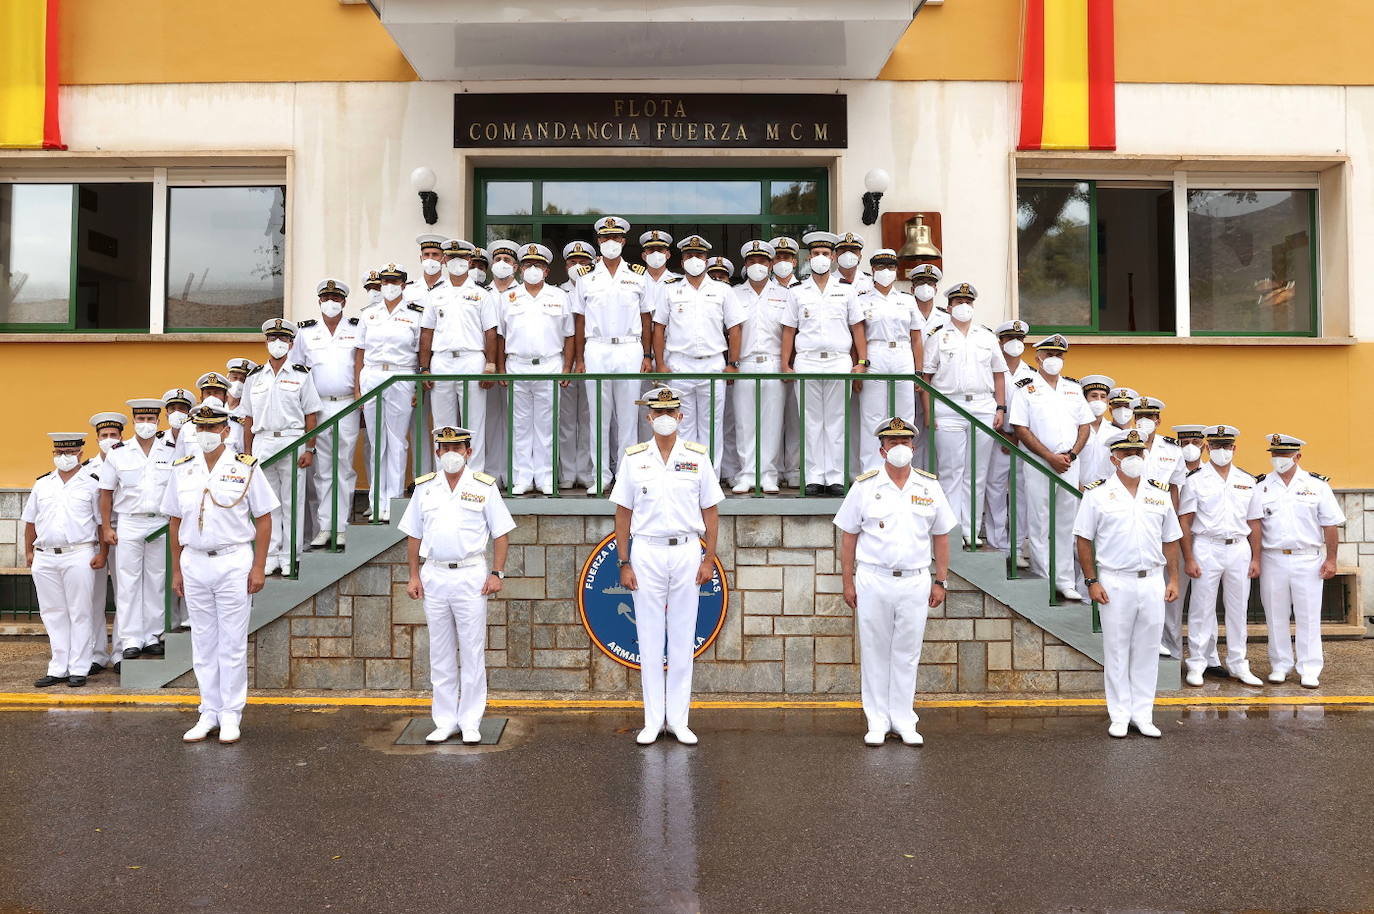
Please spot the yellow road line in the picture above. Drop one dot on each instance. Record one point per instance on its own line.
(20, 700)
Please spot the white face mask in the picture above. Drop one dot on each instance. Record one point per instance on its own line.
(1282, 464)
(330, 308)
(611, 249)
(277, 349)
(923, 292)
(820, 263)
(532, 275)
(208, 441)
(758, 272)
(374, 296)
(502, 270)
(479, 275)
(176, 420)
(1133, 466)
(885, 277)
(1221, 456)
(1097, 407)
(216, 402)
(1122, 415)
(432, 267)
(452, 461)
(694, 266)
(783, 268)
(655, 259)
(64, 462)
(458, 267)
(962, 312)
(236, 387)
(1052, 365)
(107, 444)
(1191, 452)
(1014, 348)
(899, 455)
(1146, 427)
(391, 291)
(849, 260)
(664, 425)
(145, 430)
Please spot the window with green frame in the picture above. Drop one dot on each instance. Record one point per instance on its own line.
(1098, 257)
(727, 207)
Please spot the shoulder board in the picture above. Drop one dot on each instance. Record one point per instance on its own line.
(238, 419)
(118, 444)
(180, 460)
(1093, 485)
(45, 475)
(416, 306)
(484, 479)
(1024, 381)
(846, 282)
(301, 325)
(425, 478)
(255, 371)
(1168, 440)
(584, 269)
(1309, 473)
(303, 369)
(248, 459)
(160, 434)
(935, 330)
(1159, 485)
(693, 446)
(1191, 472)
(672, 279)
(638, 268)
(86, 462)
(925, 473)
(862, 476)
(1067, 378)
(1260, 477)
(637, 448)
(353, 320)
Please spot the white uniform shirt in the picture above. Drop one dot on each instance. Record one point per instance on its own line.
(1219, 506)
(759, 315)
(391, 337)
(611, 305)
(961, 363)
(416, 290)
(822, 317)
(138, 480)
(279, 401)
(454, 523)
(889, 318)
(694, 319)
(667, 275)
(1164, 461)
(1053, 414)
(218, 506)
(460, 315)
(1095, 462)
(1292, 516)
(1128, 531)
(329, 356)
(666, 496)
(939, 317)
(894, 525)
(64, 513)
(535, 326)
(862, 282)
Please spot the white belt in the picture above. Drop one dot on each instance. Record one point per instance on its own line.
(537, 360)
(683, 355)
(339, 399)
(968, 398)
(1220, 540)
(218, 550)
(466, 562)
(392, 366)
(761, 358)
(680, 539)
(887, 344)
(65, 548)
(139, 514)
(893, 572)
(614, 340)
(1306, 550)
(293, 433)
(455, 353)
(823, 355)
(1131, 573)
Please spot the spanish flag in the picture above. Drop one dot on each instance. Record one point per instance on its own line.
(28, 75)
(1068, 75)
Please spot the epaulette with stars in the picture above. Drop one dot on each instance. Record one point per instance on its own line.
(637, 448)
(925, 473)
(484, 479)
(869, 475)
(425, 478)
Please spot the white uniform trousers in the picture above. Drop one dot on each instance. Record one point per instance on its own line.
(498, 447)
(823, 422)
(879, 400)
(394, 423)
(791, 434)
(456, 612)
(322, 470)
(460, 403)
(699, 422)
(64, 584)
(1291, 588)
(574, 437)
(140, 581)
(281, 476)
(1065, 511)
(101, 649)
(767, 423)
(218, 603)
(997, 510)
(892, 623)
(533, 444)
(666, 603)
(1171, 635)
(952, 457)
(1130, 642)
(619, 418)
(1225, 567)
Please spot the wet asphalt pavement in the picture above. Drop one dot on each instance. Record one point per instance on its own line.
(1254, 809)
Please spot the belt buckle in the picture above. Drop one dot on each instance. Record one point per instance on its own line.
(534, 361)
(897, 572)
(760, 359)
(1142, 574)
(672, 540)
(1287, 551)
(892, 344)
(968, 398)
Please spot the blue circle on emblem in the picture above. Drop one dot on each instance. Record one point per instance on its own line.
(608, 610)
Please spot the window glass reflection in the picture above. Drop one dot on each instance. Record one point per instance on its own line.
(35, 253)
(1054, 260)
(226, 251)
(627, 198)
(510, 198)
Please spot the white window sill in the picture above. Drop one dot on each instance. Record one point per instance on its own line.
(62, 336)
(1102, 339)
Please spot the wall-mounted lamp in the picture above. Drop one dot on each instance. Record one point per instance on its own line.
(875, 185)
(423, 180)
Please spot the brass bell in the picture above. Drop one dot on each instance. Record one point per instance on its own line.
(918, 244)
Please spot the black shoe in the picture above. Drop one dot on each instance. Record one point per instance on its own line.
(95, 670)
(115, 666)
(75, 682)
(48, 681)
(1217, 672)
(155, 650)
(131, 653)
(836, 491)
(183, 627)
(813, 489)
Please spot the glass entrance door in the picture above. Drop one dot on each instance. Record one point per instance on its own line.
(727, 207)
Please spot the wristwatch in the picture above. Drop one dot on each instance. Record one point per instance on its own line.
(621, 563)
(1088, 582)
(649, 356)
(1001, 409)
(499, 574)
(944, 584)
(733, 364)
(864, 363)
(1073, 455)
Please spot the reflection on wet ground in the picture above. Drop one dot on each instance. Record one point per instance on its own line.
(1257, 808)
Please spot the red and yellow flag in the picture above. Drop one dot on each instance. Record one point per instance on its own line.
(1068, 75)
(28, 75)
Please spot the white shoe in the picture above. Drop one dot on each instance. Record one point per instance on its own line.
(1165, 652)
(229, 729)
(385, 514)
(684, 735)
(1194, 677)
(647, 736)
(1248, 678)
(519, 490)
(1117, 729)
(875, 737)
(271, 567)
(605, 490)
(1069, 593)
(770, 487)
(1022, 560)
(744, 485)
(321, 539)
(1148, 729)
(1276, 677)
(203, 728)
(340, 538)
(471, 736)
(439, 734)
(547, 488)
(1310, 681)
(911, 737)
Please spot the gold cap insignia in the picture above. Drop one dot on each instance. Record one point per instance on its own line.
(1133, 436)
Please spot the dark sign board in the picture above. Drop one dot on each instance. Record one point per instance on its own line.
(663, 120)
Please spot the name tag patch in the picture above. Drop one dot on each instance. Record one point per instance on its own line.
(923, 500)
